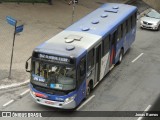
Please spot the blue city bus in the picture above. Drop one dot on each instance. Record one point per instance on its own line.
(67, 67)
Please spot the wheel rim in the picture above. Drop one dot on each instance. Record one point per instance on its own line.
(120, 57)
(88, 91)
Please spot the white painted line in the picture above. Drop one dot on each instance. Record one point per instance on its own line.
(137, 57)
(149, 106)
(96, 84)
(14, 85)
(85, 102)
(8, 103)
(147, 109)
(25, 92)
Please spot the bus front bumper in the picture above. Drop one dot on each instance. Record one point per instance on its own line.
(56, 104)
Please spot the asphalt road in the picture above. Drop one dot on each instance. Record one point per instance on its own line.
(131, 86)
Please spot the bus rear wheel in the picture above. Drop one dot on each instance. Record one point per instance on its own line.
(120, 56)
(88, 91)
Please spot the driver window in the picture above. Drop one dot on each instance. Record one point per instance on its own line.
(36, 68)
(83, 67)
(82, 70)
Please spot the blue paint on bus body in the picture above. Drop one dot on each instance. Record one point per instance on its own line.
(101, 22)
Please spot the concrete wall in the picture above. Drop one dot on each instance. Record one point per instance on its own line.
(154, 3)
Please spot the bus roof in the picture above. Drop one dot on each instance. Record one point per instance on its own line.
(108, 16)
(88, 31)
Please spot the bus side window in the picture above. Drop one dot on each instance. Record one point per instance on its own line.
(81, 72)
(82, 67)
(127, 29)
(134, 19)
(105, 46)
(90, 59)
(119, 33)
(124, 29)
(131, 21)
(121, 30)
(129, 24)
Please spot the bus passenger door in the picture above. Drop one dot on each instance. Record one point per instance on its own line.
(81, 77)
(113, 42)
(98, 51)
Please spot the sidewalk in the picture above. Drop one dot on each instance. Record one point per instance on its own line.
(38, 27)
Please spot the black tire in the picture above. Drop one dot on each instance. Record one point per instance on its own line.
(88, 91)
(120, 56)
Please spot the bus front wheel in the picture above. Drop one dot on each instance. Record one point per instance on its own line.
(120, 56)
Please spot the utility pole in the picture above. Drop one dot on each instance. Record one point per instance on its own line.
(17, 29)
(73, 10)
(14, 35)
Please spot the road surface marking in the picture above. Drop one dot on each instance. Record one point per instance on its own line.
(25, 92)
(13, 85)
(147, 109)
(149, 106)
(137, 57)
(85, 102)
(8, 103)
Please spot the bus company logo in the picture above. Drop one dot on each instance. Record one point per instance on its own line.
(6, 114)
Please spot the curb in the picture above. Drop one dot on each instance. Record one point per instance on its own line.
(2, 87)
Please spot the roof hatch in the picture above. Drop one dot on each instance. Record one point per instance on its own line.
(70, 47)
(115, 7)
(72, 38)
(85, 28)
(111, 10)
(104, 15)
(95, 21)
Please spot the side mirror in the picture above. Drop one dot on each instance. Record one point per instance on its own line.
(26, 65)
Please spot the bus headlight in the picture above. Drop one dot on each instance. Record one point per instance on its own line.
(69, 99)
(32, 92)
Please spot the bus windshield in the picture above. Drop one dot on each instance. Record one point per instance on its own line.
(54, 76)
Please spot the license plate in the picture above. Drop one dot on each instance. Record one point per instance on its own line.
(49, 102)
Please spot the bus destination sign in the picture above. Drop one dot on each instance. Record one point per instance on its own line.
(54, 58)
